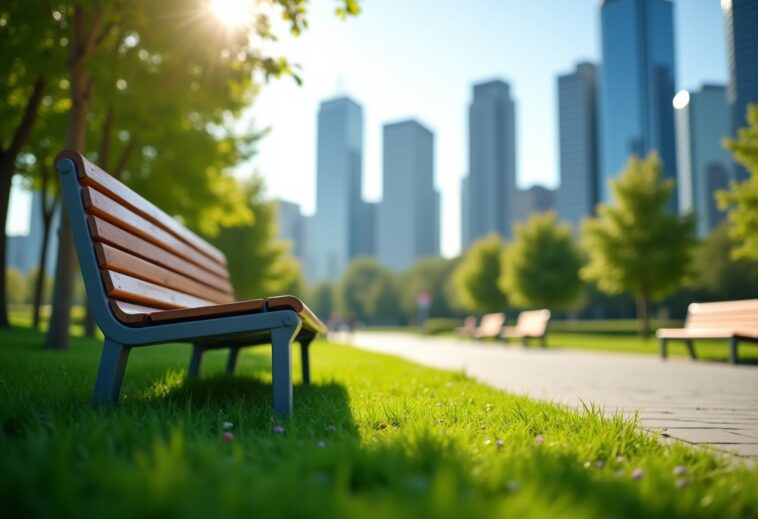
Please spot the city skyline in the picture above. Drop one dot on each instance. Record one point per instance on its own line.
(532, 74)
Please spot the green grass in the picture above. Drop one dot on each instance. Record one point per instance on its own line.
(399, 440)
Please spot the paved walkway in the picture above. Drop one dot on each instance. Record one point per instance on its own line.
(702, 403)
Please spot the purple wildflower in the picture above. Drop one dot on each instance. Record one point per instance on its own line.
(499, 444)
(638, 473)
(680, 470)
(600, 464)
(331, 428)
(539, 439)
(278, 429)
(680, 483)
(228, 437)
(321, 444)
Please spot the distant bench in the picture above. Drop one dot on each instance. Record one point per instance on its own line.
(149, 280)
(531, 324)
(489, 327)
(732, 320)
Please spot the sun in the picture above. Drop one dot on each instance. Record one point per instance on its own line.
(232, 13)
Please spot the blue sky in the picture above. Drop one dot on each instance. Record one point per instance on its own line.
(419, 58)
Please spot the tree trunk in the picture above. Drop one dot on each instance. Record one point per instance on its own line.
(643, 302)
(7, 165)
(81, 90)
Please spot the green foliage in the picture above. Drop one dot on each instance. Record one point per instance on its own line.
(475, 278)
(258, 263)
(321, 300)
(369, 292)
(47, 287)
(742, 199)
(541, 268)
(636, 244)
(720, 275)
(400, 440)
(429, 275)
(16, 286)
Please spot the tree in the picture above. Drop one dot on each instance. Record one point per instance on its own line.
(321, 299)
(32, 60)
(475, 279)
(430, 275)
(635, 244)
(742, 198)
(180, 37)
(259, 264)
(721, 276)
(541, 267)
(368, 292)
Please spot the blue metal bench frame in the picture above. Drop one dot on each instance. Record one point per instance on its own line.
(277, 327)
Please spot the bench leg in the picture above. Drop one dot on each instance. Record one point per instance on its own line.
(664, 351)
(691, 348)
(305, 359)
(281, 366)
(195, 361)
(110, 375)
(733, 351)
(231, 360)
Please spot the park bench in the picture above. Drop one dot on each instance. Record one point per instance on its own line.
(490, 326)
(531, 324)
(150, 281)
(732, 320)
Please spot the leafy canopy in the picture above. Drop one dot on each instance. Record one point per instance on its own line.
(475, 279)
(742, 199)
(541, 267)
(259, 264)
(635, 244)
(368, 292)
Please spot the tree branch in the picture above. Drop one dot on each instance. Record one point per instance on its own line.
(118, 171)
(27, 120)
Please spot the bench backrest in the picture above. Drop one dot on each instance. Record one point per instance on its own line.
(533, 323)
(491, 325)
(148, 261)
(731, 315)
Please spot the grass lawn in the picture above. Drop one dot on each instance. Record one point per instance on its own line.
(374, 436)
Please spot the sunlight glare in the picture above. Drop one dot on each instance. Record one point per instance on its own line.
(232, 13)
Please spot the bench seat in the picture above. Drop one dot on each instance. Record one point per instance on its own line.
(531, 324)
(732, 320)
(149, 280)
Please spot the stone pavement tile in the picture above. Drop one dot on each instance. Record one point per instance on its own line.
(710, 436)
(683, 424)
(743, 449)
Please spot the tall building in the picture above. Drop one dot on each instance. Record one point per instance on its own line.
(636, 86)
(23, 251)
(741, 17)
(491, 184)
(366, 224)
(291, 226)
(408, 219)
(465, 213)
(339, 176)
(578, 140)
(702, 120)
(533, 200)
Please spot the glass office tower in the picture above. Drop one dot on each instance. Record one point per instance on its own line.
(636, 86)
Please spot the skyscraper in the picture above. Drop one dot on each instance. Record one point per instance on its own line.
(741, 17)
(636, 86)
(702, 120)
(491, 184)
(408, 218)
(577, 128)
(339, 176)
(291, 226)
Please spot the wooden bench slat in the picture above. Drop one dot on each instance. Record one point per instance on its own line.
(98, 204)
(109, 234)
(119, 261)
(91, 175)
(309, 319)
(239, 307)
(131, 314)
(132, 290)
